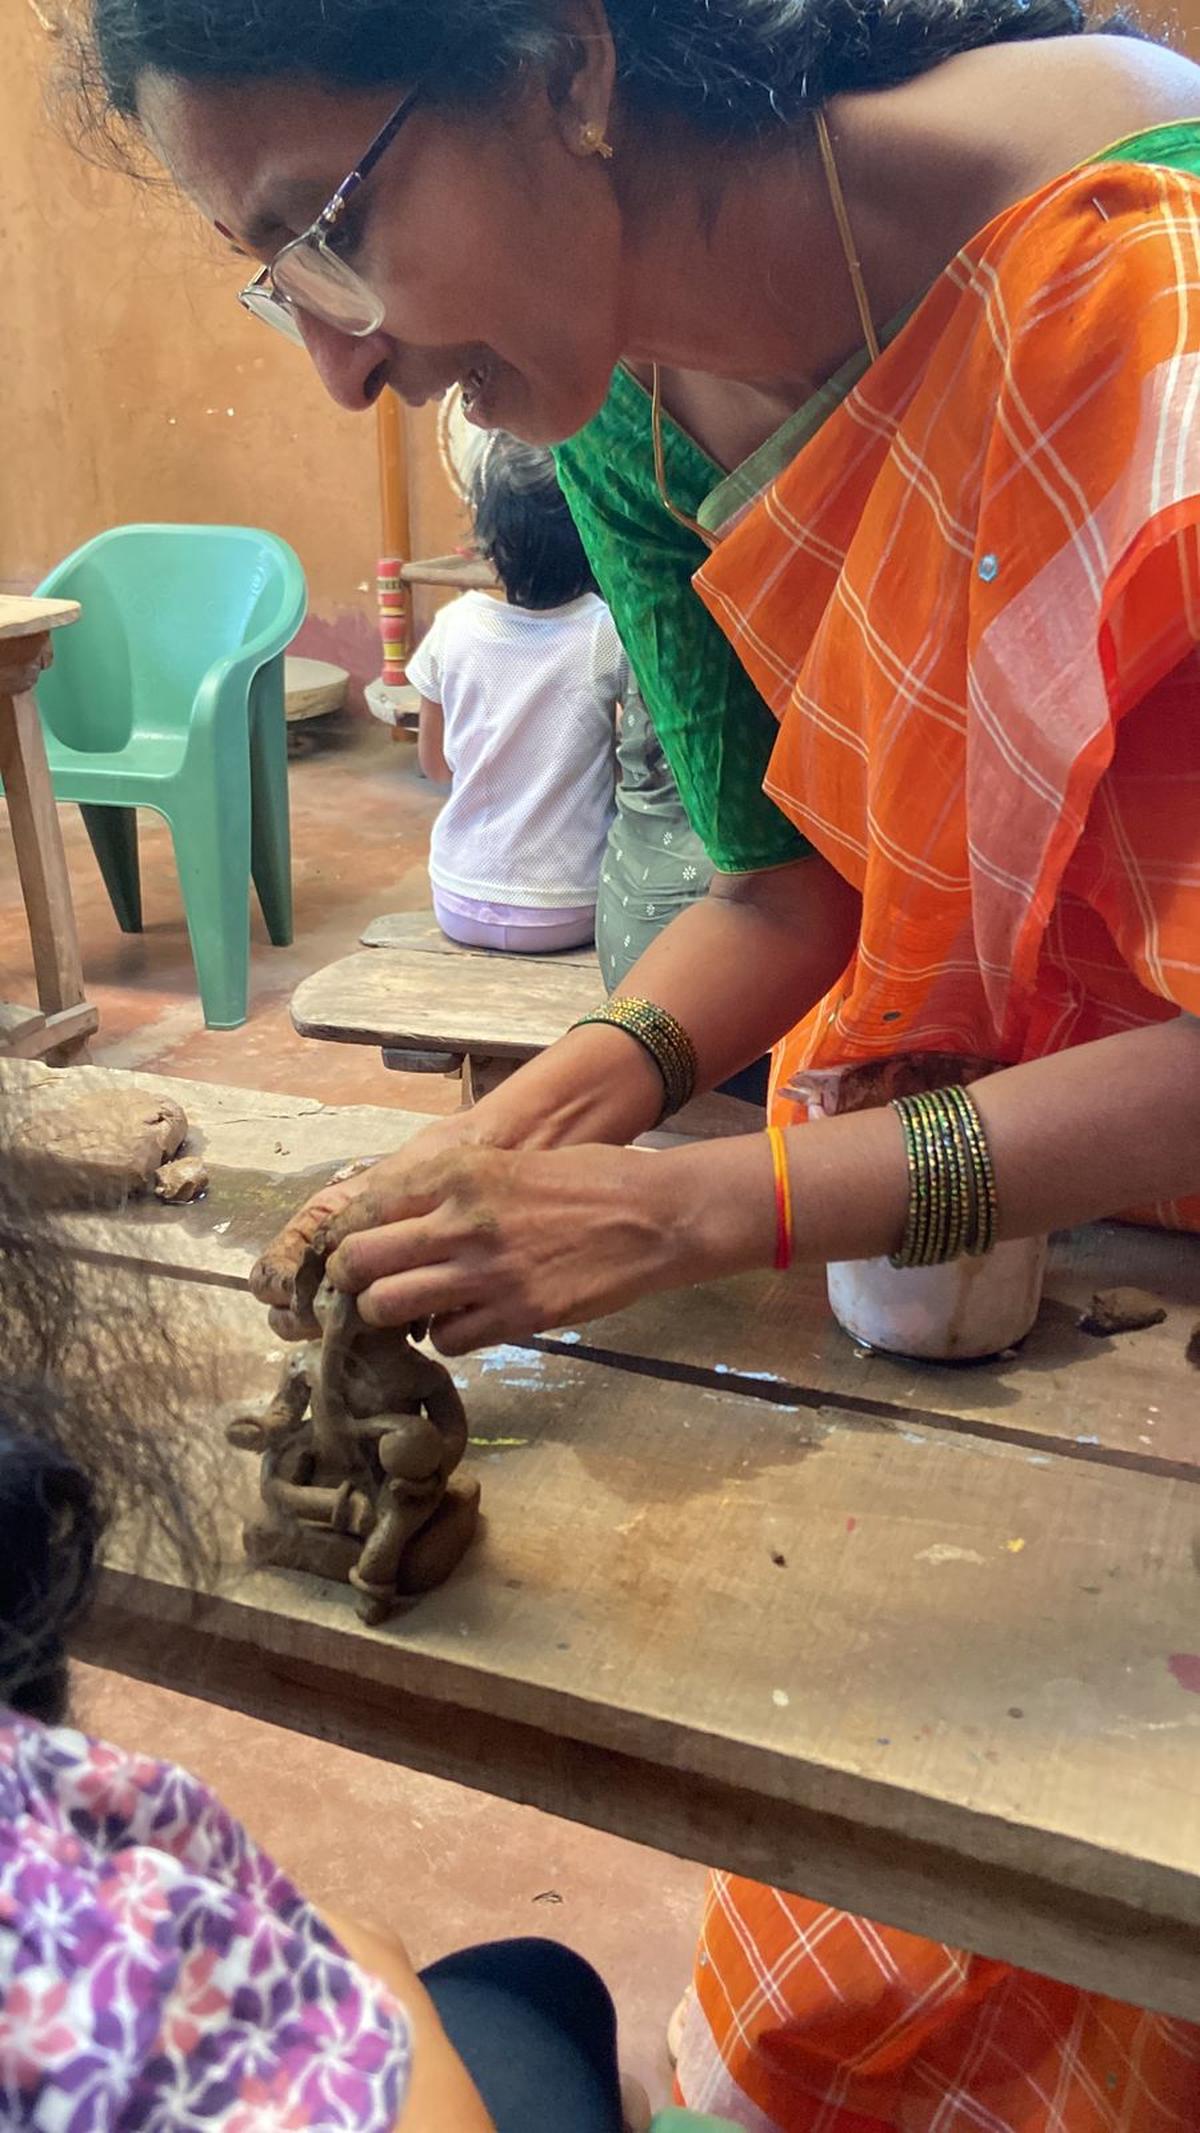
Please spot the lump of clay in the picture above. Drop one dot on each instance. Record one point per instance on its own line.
(181, 1181)
(95, 1148)
(1122, 1311)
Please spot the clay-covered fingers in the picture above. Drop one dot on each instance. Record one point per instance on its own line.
(397, 1192)
(273, 1279)
(414, 1246)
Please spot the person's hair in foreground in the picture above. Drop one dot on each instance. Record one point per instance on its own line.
(729, 68)
(93, 1427)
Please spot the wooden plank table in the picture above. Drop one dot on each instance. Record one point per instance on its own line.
(947, 1678)
(474, 1012)
(63, 1019)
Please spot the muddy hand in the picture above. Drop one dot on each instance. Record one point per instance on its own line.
(492, 1245)
(273, 1279)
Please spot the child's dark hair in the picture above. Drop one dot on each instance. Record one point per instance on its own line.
(524, 527)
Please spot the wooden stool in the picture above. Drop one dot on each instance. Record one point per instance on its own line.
(63, 1021)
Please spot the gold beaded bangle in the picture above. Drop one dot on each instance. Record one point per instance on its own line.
(907, 1254)
(957, 1165)
(662, 1036)
(938, 1181)
(927, 1191)
(951, 1181)
(984, 1174)
(975, 1237)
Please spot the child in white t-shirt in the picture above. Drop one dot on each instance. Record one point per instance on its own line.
(518, 706)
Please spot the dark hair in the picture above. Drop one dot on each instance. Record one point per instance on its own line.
(96, 1421)
(730, 67)
(524, 527)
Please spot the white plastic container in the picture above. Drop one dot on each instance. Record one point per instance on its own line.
(955, 1314)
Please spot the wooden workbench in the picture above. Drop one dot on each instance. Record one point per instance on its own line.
(63, 1019)
(923, 1642)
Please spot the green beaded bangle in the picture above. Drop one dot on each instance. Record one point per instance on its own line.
(662, 1036)
(952, 1184)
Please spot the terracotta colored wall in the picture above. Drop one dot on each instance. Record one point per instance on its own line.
(135, 387)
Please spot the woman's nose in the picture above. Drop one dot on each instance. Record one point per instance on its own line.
(353, 372)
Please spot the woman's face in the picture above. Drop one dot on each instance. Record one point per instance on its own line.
(494, 243)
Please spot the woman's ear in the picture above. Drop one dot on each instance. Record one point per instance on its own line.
(580, 81)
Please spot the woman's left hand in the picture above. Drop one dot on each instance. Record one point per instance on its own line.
(492, 1245)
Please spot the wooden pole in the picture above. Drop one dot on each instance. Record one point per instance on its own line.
(393, 477)
(395, 613)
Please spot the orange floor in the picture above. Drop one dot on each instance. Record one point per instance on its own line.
(444, 1866)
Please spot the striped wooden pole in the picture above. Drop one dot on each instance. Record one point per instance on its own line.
(395, 607)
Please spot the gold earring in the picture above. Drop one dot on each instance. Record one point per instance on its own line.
(595, 142)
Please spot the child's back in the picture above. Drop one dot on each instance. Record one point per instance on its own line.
(518, 705)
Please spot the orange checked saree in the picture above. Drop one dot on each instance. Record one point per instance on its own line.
(973, 603)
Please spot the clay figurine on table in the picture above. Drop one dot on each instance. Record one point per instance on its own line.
(360, 1446)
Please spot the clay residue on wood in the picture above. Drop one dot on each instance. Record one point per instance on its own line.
(96, 1150)
(1122, 1311)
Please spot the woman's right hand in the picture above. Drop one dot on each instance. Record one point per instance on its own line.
(273, 1278)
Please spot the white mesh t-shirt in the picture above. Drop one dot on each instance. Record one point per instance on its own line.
(528, 700)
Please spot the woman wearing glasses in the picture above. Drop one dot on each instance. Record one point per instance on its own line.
(944, 255)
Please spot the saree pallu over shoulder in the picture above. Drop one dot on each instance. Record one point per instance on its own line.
(973, 603)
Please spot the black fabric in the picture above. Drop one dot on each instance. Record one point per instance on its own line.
(537, 2031)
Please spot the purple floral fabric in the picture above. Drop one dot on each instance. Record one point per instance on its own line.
(158, 1973)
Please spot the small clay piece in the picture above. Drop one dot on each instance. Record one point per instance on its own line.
(182, 1180)
(1122, 1311)
(359, 1447)
(1193, 1347)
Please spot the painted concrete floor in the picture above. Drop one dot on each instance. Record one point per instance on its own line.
(442, 1866)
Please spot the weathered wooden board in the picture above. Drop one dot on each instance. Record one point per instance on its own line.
(463, 573)
(1134, 1397)
(25, 617)
(499, 1006)
(946, 1683)
(420, 930)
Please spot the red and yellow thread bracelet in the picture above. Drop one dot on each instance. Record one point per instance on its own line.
(784, 1239)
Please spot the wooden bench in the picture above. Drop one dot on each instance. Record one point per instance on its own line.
(433, 1006)
(922, 1642)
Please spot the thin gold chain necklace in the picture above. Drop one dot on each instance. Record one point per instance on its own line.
(837, 201)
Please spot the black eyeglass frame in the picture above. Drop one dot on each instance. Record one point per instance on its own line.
(266, 295)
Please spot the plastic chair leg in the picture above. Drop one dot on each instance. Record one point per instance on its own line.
(270, 825)
(211, 834)
(113, 835)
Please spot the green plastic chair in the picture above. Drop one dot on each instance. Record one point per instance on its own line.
(169, 693)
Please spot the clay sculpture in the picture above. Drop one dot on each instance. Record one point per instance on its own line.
(360, 1445)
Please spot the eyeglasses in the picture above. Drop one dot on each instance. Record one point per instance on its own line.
(309, 275)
